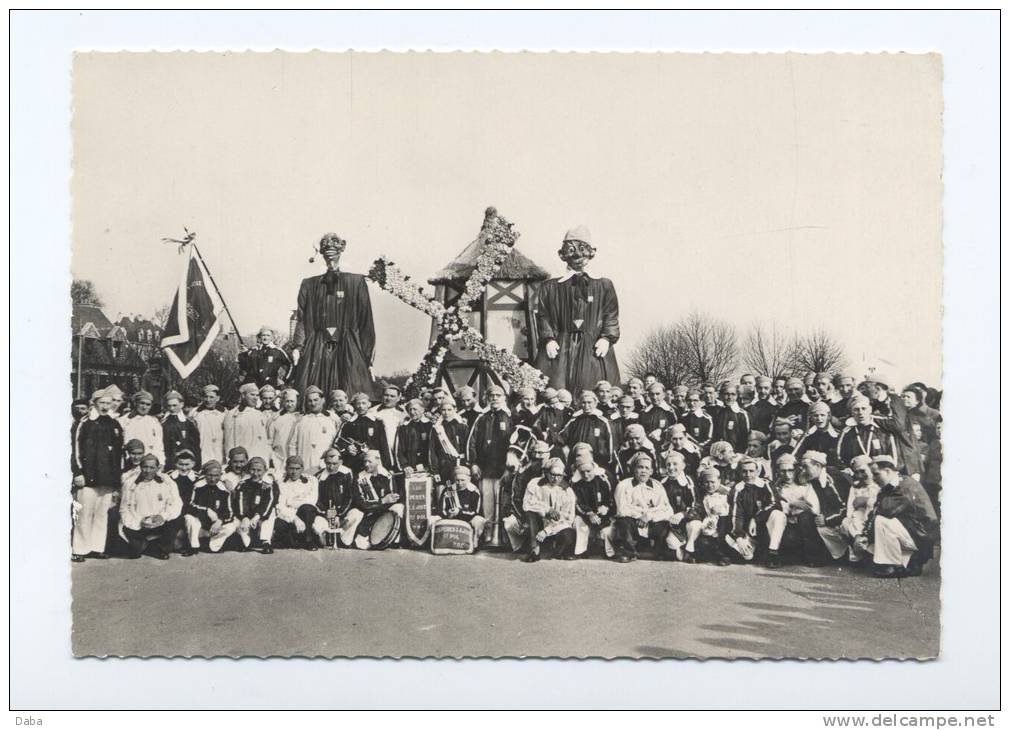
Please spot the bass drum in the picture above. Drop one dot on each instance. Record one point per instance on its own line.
(385, 530)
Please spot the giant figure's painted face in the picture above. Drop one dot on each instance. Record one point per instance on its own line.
(576, 254)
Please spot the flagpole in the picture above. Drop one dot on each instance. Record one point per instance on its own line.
(218, 290)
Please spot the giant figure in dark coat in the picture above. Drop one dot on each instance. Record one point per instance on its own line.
(577, 319)
(334, 335)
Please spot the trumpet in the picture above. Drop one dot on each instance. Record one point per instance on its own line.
(454, 505)
(343, 443)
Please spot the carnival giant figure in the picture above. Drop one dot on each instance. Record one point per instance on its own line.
(578, 321)
(334, 340)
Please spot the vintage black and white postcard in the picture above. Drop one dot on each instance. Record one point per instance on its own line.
(506, 354)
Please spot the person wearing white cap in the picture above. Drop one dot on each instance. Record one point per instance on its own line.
(904, 524)
(832, 502)
(265, 363)
(209, 419)
(577, 317)
(792, 524)
(139, 424)
(97, 468)
(245, 425)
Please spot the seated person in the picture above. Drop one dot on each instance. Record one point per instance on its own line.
(208, 513)
(185, 479)
(642, 511)
(373, 495)
(253, 503)
(832, 504)
(549, 504)
(238, 461)
(862, 499)
(336, 496)
(460, 500)
(792, 526)
(297, 495)
(514, 522)
(752, 502)
(149, 509)
(904, 524)
(680, 494)
(724, 460)
(710, 523)
(594, 507)
(757, 449)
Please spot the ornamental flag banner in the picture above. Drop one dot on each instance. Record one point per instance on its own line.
(194, 321)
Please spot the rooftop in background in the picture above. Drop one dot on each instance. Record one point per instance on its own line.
(516, 267)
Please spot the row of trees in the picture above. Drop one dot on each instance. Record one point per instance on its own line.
(702, 349)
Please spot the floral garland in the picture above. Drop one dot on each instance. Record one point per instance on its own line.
(514, 371)
(386, 274)
(499, 238)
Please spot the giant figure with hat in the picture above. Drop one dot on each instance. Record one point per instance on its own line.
(577, 320)
(334, 339)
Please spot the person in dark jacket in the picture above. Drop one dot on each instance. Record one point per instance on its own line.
(265, 364)
(97, 470)
(487, 448)
(336, 498)
(460, 500)
(761, 410)
(795, 408)
(373, 495)
(364, 432)
(892, 416)
(731, 422)
(185, 481)
(903, 524)
(821, 435)
(412, 446)
(658, 415)
(792, 523)
(698, 422)
(594, 507)
(467, 406)
(515, 524)
(208, 512)
(254, 503)
(751, 504)
(680, 492)
(865, 436)
(589, 426)
(179, 431)
(447, 442)
(831, 501)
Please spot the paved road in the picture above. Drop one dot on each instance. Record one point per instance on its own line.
(406, 603)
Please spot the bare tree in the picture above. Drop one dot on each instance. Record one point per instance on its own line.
(711, 348)
(82, 291)
(663, 353)
(818, 352)
(768, 350)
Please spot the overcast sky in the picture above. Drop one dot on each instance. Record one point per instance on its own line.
(800, 189)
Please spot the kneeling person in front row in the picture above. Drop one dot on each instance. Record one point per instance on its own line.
(460, 500)
(373, 495)
(792, 525)
(209, 512)
(549, 505)
(254, 504)
(336, 495)
(643, 510)
(150, 509)
(297, 495)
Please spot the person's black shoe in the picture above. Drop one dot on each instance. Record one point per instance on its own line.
(624, 558)
(267, 549)
(75, 558)
(160, 555)
(724, 561)
(690, 559)
(531, 557)
(187, 552)
(886, 571)
(570, 557)
(99, 556)
(815, 563)
(913, 570)
(311, 546)
(773, 561)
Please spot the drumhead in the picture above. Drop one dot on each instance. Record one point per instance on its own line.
(384, 530)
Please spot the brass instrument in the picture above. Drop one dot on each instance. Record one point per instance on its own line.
(454, 505)
(333, 521)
